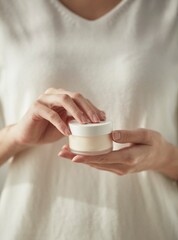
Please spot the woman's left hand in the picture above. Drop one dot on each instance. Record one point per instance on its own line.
(147, 150)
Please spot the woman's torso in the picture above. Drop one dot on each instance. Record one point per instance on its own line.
(126, 63)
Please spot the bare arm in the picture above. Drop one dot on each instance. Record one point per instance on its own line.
(171, 168)
(46, 121)
(9, 147)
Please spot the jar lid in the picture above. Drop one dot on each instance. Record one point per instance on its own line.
(90, 129)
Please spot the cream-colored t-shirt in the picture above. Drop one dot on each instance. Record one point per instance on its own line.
(126, 62)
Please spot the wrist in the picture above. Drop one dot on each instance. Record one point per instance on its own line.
(170, 166)
(15, 144)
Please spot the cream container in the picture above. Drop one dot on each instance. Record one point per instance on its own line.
(90, 139)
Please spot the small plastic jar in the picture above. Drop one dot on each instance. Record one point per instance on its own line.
(90, 139)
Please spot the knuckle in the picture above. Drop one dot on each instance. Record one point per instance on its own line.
(40, 97)
(60, 90)
(128, 158)
(53, 115)
(129, 162)
(146, 135)
(125, 171)
(49, 90)
(79, 113)
(122, 172)
(65, 98)
(90, 112)
(119, 173)
(157, 138)
(133, 162)
(77, 96)
(156, 134)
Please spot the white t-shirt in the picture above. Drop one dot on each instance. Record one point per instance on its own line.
(126, 62)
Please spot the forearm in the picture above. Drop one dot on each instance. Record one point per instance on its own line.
(8, 145)
(171, 167)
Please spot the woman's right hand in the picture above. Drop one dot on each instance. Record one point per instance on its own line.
(47, 119)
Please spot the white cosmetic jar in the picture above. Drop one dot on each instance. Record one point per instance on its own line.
(90, 139)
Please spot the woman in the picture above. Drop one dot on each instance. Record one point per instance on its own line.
(122, 56)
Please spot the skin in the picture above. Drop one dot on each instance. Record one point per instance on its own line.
(146, 150)
(90, 10)
(47, 121)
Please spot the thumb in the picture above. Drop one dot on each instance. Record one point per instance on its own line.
(141, 135)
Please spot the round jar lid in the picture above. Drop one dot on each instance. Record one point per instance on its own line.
(90, 129)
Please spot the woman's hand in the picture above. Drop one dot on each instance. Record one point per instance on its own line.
(47, 119)
(147, 150)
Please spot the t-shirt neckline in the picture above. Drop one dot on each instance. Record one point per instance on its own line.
(75, 17)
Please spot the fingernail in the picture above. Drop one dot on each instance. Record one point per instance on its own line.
(116, 135)
(103, 115)
(88, 120)
(64, 147)
(60, 154)
(84, 119)
(67, 132)
(75, 159)
(95, 118)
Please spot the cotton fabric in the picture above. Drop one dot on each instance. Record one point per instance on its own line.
(126, 62)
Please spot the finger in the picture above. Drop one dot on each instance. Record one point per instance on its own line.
(88, 109)
(65, 147)
(40, 111)
(101, 168)
(100, 112)
(126, 156)
(52, 91)
(115, 168)
(63, 115)
(65, 101)
(130, 156)
(120, 169)
(92, 112)
(138, 136)
(66, 153)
